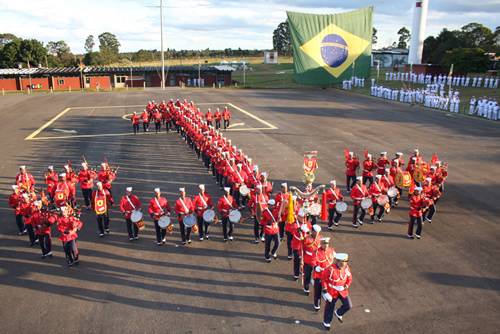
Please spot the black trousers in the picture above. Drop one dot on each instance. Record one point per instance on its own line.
(217, 124)
(136, 128)
(333, 216)
(296, 262)
(31, 234)
(368, 179)
(330, 307)
(227, 228)
(157, 127)
(359, 212)
(350, 181)
(307, 275)
(20, 223)
(168, 126)
(87, 194)
(257, 229)
(430, 213)
(202, 227)
(185, 231)
(102, 222)
(45, 243)
(381, 211)
(271, 238)
(132, 229)
(145, 126)
(209, 123)
(281, 226)
(226, 124)
(413, 221)
(289, 237)
(71, 251)
(317, 292)
(160, 232)
(237, 196)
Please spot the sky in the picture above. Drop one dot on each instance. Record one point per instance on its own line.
(215, 24)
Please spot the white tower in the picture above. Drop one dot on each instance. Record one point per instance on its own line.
(418, 31)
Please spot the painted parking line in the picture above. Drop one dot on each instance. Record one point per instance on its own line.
(46, 125)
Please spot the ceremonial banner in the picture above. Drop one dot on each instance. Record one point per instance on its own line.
(310, 165)
(330, 48)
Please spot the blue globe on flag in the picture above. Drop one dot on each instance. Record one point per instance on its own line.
(334, 50)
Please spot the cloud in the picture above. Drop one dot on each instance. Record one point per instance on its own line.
(215, 24)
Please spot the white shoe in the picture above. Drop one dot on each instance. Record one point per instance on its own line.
(275, 256)
(164, 240)
(317, 308)
(355, 225)
(262, 239)
(418, 236)
(231, 238)
(101, 235)
(339, 317)
(130, 239)
(326, 325)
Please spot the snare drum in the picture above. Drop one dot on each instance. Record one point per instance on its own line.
(366, 203)
(209, 215)
(341, 207)
(135, 216)
(382, 200)
(140, 224)
(234, 216)
(315, 209)
(392, 192)
(164, 221)
(244, 191)
(189, 220)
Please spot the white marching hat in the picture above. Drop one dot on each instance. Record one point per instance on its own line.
(14, 187)
(227, 189)
(418, 189)
(256, 168)
(301, 213)
(182, 190)
(316, 228)
(62, 175)
(84, 164)
(99, 184)
(129, 189)
(399, 153)
(157, 190)
(201, 186)
(50, 167)
(22, 167)
(271, 202)
(333, 182)
(383, 153)
(284, 184)
(325, 240)
(264, 174)
(304, 228)
(359, 178)
(344, 257)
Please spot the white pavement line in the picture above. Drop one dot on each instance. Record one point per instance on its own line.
(271, 127)
(43, 127)
(140, 106)
(235, 125)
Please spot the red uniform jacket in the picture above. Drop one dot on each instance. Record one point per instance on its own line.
(209, 116)
(381, 164)
(351, 166)
(226, 115)
(86, 178)
(333, 276)
(25, 182)
(432, 193)
(101, 201)
(145, 117)
(310, 247)
(270, 221)
(106, 177)
(15, 203)
(129, 204)
(225, 204)
(388, 181)
(42, 221)
(324, 259)
(135, 119)
(183, 209)
(376, 190)
(68, 226)
(280, 197)
(51, 179)
(155, 210)
(333, 196)
(217, 116)
(298, 237)
(201, 203)
(417, 204)
(254, 199)
(368, 167)
(61, 194)
(358, 192)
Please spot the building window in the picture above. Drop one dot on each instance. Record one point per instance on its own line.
(121, 79)
(60, 82)
(87, 80)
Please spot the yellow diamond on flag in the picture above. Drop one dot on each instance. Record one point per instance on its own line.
(335, 49)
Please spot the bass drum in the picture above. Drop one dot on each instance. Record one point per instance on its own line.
(341, 207)
(136, 216)
(209, 215)
(315, 209)
(244, 191)
(366, 203)
(392, 192)
(234, 216)
(189, 220)
(382, 200)
(164, 221)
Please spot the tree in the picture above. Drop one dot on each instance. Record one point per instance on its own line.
(474, 35)
(281, 39)
(466, 60)
(404, 38)
(108, 47)
(7, 38)
(374, 36)
(9, 54)
(89, 43)
(32, 51)
(93, 59)
(436, 48)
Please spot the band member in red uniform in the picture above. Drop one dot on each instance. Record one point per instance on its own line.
(225, 204)
(382, 162)
(269, 220)
(101, 202)
(324, 259)
(368, 167)
(24, 180)
(26, 210)
(333, 195)
(432, 194)
(15, 200)
(68, 225)
(106, 176)
(418, 203)
(42, 220)
(135, 119)
(183, 207)
(51, 179)
(157, 119)
(388, 182)
(129, 203)
(61, 192)
(226, 115)
(310, 247)
(397, 167)
(158, 207)
(86, 179)
(202, 202)
(351, 164)
(217, 117)
(281, 199)
(258, 203)
(358, 193)
(145, 121)
(336, 281)
(209, 117)
(71, 181)
(376, 190)
(299, 234)
(238, 178)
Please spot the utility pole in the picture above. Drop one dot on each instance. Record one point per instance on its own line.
(199, 70)
(162, 54)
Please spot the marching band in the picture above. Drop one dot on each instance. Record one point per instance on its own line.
(290, 213)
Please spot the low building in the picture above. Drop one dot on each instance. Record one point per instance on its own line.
(389, 58)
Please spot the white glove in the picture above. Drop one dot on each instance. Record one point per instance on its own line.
(318, 269)
(339, 288)
(328, 297)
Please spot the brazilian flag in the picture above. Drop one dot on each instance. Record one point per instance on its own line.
(330, 48)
